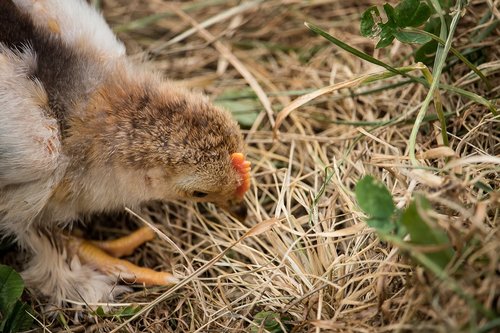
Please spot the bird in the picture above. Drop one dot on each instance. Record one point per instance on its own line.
(85, 130)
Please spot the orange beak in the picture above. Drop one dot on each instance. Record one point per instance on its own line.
(243, 168)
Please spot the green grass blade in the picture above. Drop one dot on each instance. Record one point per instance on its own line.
(366, 57)
(353, 50)
(472, 96)
(145, 21)
(456, 53)
(439, 64)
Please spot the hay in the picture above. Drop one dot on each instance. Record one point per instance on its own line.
(316, 263)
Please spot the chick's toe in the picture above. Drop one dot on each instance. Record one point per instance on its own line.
(103, 255)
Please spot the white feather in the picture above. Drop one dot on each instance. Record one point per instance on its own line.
(76, 23)
(53, 274)
(30, 150)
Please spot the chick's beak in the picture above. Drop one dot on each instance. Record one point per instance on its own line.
(236, 207)
(243, 168)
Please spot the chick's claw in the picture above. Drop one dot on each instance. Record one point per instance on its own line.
(103, 257)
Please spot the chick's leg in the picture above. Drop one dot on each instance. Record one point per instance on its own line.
(103, 256)
(126, 245)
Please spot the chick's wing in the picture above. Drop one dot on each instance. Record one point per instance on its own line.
(31, 161)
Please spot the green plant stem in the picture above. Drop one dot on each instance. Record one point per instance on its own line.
(440, 60)
(438, 105)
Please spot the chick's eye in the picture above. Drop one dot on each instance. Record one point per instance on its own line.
(198, 194)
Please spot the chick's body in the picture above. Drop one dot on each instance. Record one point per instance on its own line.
(84, 130)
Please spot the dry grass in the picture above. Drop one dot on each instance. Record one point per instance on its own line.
(314, 260)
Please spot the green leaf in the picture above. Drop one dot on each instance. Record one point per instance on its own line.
(422, 14)
(405, 10)
(368, 26)
(15, 314)
(272, 322)
(421, 233)
(483, 186)
(425, 54)
(434, 25)
(412, 37)
(388, 29)
(245, 111)
(382, 225)
(127, 311)
(371, 28)
(386, 38)
(374, 199)
(100, 312)
(391, 15)
(18, 319)
(407, 13)
(11, 288)
(412, 13)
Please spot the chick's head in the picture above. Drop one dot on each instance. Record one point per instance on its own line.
(189, 148)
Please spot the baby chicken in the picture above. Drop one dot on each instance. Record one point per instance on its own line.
(84, 130)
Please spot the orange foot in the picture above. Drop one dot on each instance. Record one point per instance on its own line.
(103, 255)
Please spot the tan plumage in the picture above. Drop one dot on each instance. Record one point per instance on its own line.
(83, 130)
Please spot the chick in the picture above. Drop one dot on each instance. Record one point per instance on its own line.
(84, 130)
